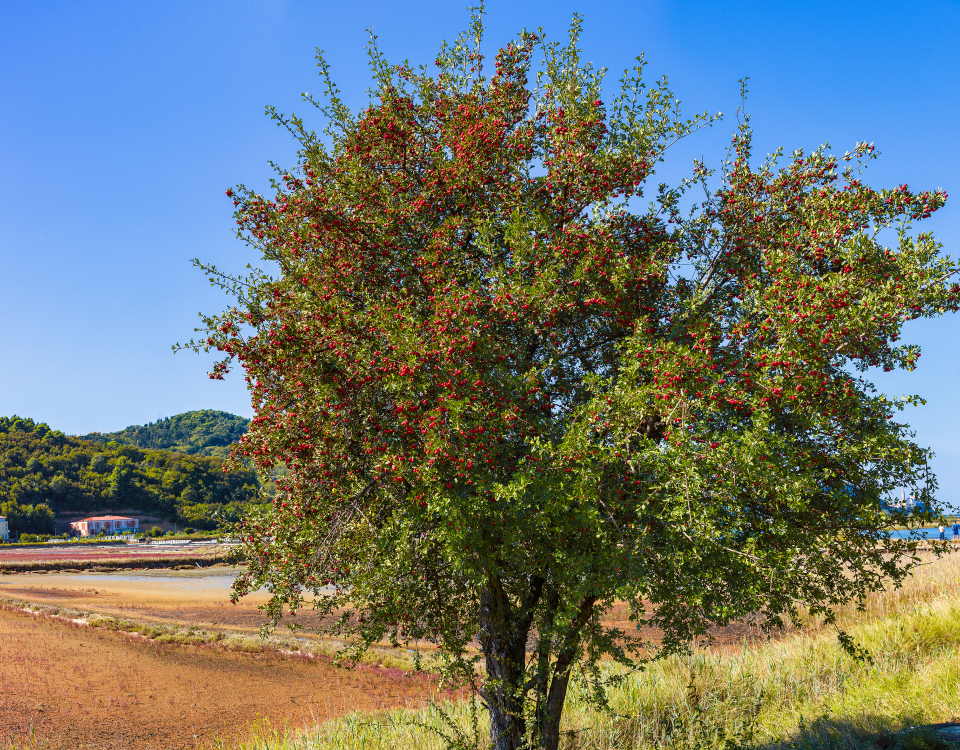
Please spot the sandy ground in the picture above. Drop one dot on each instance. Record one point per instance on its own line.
(68, 687)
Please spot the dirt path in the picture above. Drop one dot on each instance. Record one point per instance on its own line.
(74, 688)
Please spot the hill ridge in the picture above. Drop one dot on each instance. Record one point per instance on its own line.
(204, 432)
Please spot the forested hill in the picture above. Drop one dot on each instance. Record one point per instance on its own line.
(39, 465)
(205, 433)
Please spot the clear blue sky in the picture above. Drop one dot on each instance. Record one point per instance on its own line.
(122, 123)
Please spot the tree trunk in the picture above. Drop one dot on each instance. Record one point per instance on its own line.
(504, 629)
(548, 719)
(549, 729)
(503, 640)
(507, 727)
(501, 692)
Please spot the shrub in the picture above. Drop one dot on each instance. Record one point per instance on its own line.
(33, 538)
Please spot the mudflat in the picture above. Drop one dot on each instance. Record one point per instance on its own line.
(199, 597)
(65, 687)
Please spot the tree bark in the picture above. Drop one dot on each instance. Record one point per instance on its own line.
(503, 639)
(504, 630)
(501, 693)
(553, 709)
(541, 677)
(548, 730)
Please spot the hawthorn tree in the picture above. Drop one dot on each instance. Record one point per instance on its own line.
(510, 383)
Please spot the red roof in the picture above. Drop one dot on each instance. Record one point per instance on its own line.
(106, 518)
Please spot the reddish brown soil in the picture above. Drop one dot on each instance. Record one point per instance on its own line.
(94, 552)
(66, 687)
(74, 558)
(734, 634)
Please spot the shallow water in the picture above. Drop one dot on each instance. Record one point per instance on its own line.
(219, 582)
(191, 584)
(928, 533)
(158, 579)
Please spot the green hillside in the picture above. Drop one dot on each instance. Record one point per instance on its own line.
(42, 466)
(205, 433)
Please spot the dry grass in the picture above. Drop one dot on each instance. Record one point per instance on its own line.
(187, 634)
(186, 605)
(192, 596)
(932, 580)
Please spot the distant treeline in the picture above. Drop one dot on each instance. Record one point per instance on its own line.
(205, 433)
(41, 466)
(27, 519)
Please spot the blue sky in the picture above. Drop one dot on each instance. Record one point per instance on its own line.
(122, 124)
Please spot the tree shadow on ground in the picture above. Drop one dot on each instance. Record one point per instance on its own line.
(699, 733)
(868, 733)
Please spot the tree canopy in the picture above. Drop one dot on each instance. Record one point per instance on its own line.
(27, 519)
(513, 380)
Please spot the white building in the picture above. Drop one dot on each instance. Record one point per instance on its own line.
(96, 525)
(4, 529)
